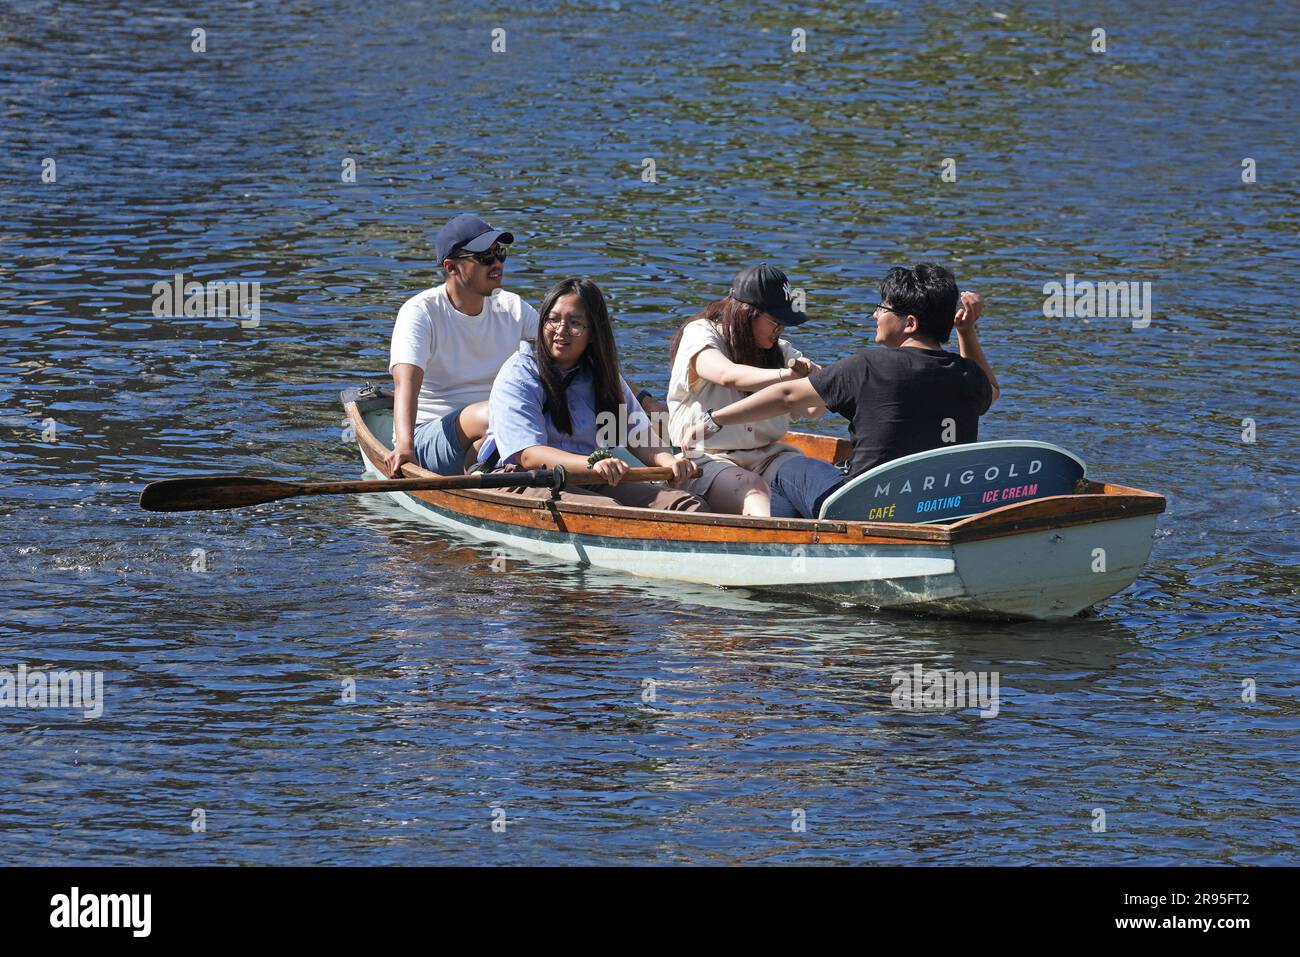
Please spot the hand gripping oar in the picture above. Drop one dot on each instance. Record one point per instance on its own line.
(239, 491)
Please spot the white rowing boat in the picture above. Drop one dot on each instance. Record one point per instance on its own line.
(1049, 553)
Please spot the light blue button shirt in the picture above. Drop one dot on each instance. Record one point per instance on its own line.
(516, 420)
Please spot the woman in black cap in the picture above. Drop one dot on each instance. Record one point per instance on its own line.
(733, 347)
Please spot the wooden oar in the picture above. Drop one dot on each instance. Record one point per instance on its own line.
(239, 491)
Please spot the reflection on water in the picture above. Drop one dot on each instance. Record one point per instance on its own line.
(615, 719)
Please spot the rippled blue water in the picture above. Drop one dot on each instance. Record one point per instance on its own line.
(524, 690)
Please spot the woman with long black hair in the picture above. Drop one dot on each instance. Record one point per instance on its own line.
(561, 401)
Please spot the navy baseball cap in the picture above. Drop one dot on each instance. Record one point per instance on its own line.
(767, 288)
(468, 233)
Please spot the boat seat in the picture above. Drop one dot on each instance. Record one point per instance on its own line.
(956, 481)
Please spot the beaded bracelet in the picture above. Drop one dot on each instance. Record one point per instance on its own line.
(598, 455)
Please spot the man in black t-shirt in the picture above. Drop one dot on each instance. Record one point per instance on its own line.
(911, 396)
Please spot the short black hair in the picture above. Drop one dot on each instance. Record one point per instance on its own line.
(927, 291)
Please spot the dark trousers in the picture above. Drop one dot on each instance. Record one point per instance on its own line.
(801, 485)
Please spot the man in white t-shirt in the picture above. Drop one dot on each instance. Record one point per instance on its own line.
(448, 344)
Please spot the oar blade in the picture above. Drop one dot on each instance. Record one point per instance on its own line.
(212, 492)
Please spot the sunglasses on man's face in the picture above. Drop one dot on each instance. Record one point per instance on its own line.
(881, 307)
(496, 254)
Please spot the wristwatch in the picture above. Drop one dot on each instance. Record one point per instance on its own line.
(711, 424)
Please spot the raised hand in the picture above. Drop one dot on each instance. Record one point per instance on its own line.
(968, 312)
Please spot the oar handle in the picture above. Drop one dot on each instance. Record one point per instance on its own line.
(592, 477)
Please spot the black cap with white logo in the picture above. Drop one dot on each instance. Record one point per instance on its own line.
(767, 288)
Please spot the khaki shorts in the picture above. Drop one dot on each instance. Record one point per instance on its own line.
(765, 460)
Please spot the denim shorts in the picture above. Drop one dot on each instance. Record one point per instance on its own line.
(437, 447)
